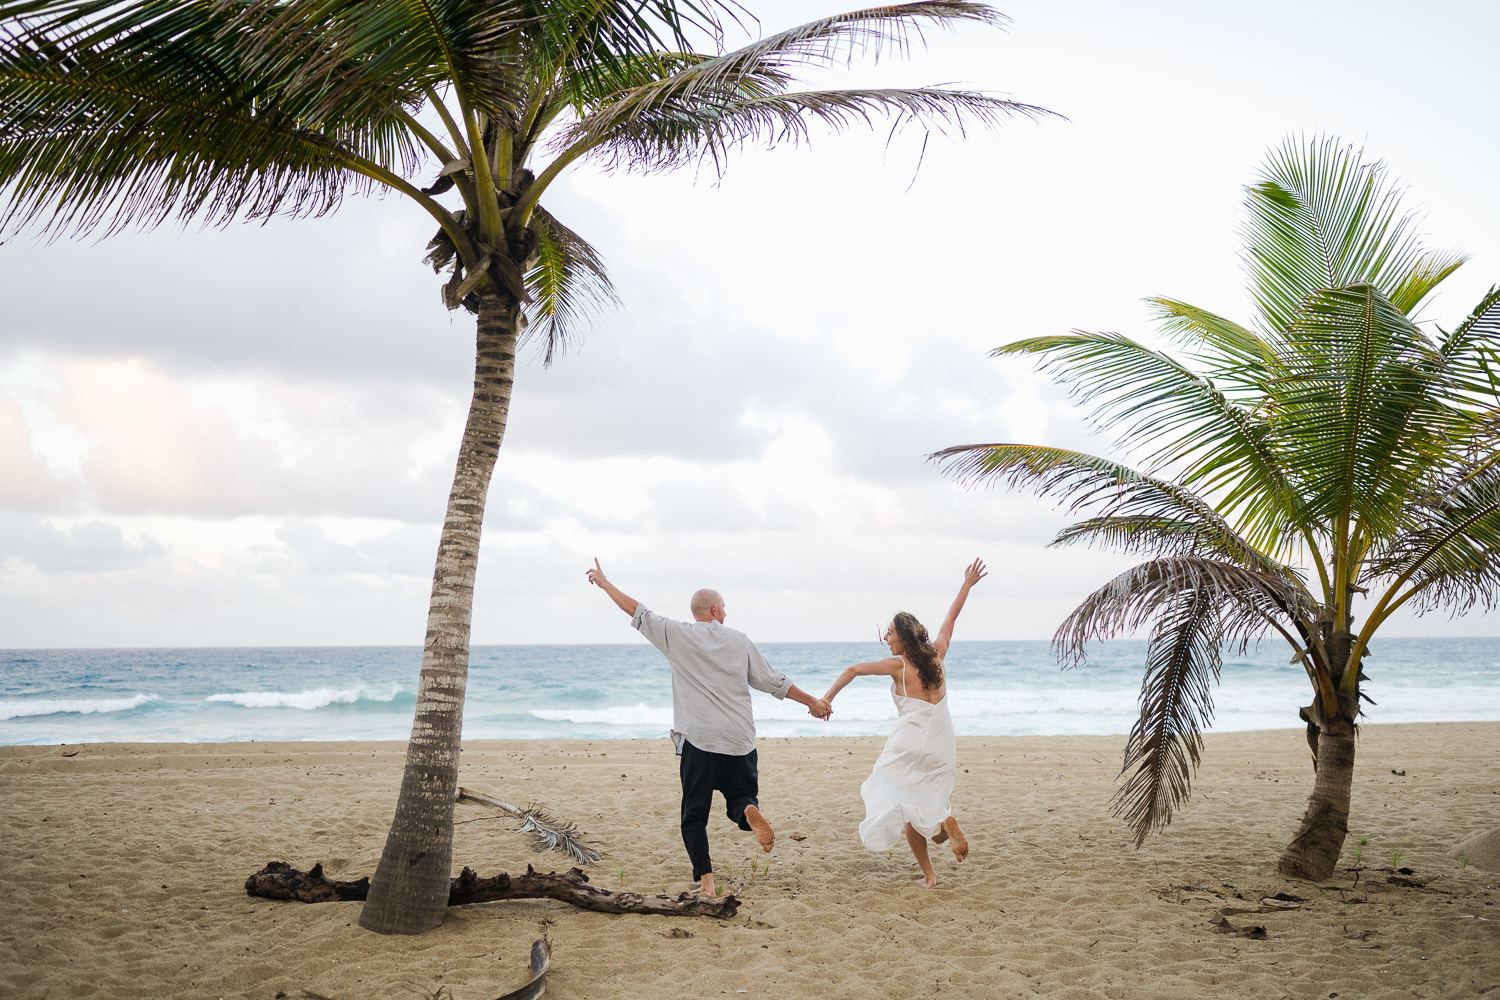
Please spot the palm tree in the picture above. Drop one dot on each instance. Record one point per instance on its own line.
(1333, 449)
(115, 114)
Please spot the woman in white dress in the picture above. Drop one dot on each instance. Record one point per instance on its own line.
(910, 788)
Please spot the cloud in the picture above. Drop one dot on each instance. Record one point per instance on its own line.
(89, 547)
(207, 447)
(27, 482)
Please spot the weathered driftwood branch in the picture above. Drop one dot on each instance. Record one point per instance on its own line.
(279, 880)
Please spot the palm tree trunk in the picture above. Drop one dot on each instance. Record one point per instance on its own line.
(409, 893)
(1314, 851)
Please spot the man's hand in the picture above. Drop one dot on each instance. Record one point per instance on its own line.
(624, 602)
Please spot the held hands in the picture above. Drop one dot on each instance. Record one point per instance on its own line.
(975, 572)
(820, 709)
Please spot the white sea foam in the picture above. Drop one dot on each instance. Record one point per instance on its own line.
(42, 706)
(616, 715)
(307, 701)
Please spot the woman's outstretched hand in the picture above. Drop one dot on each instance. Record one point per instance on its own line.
(975, 572)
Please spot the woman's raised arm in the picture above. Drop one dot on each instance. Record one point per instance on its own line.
(972, 575)
(888, 666)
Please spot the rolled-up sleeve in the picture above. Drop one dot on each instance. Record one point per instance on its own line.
(764, 677)
(651, 625)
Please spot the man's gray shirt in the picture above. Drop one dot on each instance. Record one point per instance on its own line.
(713, 669)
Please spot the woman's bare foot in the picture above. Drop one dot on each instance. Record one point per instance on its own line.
(763, 832)
(941, 837)
(960, 843)
(926, 883)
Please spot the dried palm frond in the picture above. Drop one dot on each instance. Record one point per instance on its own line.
(550, 834)
(1196, 606)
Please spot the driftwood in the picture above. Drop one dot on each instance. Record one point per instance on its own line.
(279, 880)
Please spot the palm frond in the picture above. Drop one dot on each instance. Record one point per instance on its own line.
(1362, 406)
(1320, 217)
(568, 281)
(116, 120)
(1472, 351)
(764, 66)
(1148, 398)
(549, 833)
(673, 132)
(1448, 555)
(1234, 354)
(1134, 510)
(1182, 666)
(1248, 602)
(1197, 606)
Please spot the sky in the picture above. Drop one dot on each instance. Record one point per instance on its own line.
(245, 436)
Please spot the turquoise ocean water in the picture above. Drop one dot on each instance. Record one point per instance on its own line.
(618, 691)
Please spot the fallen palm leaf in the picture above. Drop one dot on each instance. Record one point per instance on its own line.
(541, 961)
(551, 834)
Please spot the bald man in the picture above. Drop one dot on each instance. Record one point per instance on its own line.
(713, 727)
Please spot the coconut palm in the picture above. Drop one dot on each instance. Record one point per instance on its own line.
(1331, 450)
(115, 114)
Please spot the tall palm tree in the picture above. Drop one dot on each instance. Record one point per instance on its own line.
(1331, 450)
(116, 114)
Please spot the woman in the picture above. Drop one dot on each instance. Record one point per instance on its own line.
(909, 790)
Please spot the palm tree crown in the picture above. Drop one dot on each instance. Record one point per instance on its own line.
(1330, 450)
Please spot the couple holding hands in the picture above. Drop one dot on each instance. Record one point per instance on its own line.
(713, 728)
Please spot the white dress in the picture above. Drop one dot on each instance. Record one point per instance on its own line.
(913, 779)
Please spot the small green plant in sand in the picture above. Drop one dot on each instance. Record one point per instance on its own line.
(1359, 849)
(1396, 854)
(620, 873)
(1463, 861)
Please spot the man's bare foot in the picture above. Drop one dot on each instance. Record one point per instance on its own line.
(763, 832)
(926, 883)
(960, 842)
(707, 886)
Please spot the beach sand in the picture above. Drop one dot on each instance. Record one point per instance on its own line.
(122, 874)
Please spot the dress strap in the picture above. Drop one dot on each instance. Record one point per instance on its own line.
(903, 678)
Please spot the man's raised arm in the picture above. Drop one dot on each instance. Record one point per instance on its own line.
(624, 601)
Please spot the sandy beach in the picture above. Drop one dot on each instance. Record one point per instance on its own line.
(122, 870)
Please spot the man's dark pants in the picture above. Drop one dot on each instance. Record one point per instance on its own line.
(703, 773)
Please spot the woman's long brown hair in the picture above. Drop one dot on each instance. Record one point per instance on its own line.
(918, 650)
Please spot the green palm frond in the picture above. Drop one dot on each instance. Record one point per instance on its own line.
(1150, 399)
(1362, 408)
(1133, 509)
(1472, 352)
(1320, 217)
(1234, 355)
(568, 280)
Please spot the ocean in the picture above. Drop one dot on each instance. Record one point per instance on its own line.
(51, 696)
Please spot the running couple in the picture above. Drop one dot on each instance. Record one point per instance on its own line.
(713, 669)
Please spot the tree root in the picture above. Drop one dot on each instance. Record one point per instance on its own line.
(279, 880)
